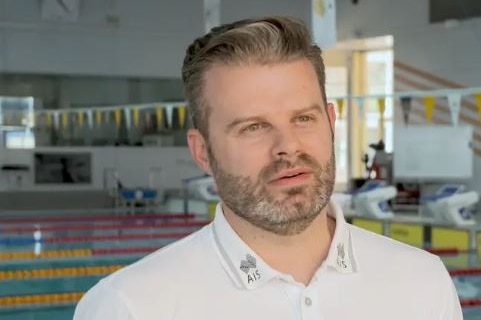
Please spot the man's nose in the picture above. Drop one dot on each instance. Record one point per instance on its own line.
(286, 143)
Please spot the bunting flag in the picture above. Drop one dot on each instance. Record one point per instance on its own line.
(98, 117)
(90, 119)
(128, 121)
(429, 103)
(454, 100)
(406, 108)
(340, 107)
(64, 120)
(80, 117)
(49, 119)
(136, 116)
(361, 106)
(159, 112)
(170, 114)
(477, 97)
(118, 116)
(181, 111)
(381, 105)
(147, 120)
(56, 119)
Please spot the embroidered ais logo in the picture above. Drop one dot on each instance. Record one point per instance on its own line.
(248, 266)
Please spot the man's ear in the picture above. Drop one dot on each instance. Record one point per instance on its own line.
(198, 149)
(331, 114)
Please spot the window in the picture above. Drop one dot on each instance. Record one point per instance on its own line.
(19, 139)
(379, 73)
(336, 86)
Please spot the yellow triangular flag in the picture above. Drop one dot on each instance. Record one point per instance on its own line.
(80, 116)
(477, 97)
(64, 120)
(136, 115)
(340, 107)
(118, 117)
(98, 117)
(381, 104)
(181, 112)
(429, 107)
(159, 112)
(49, 119)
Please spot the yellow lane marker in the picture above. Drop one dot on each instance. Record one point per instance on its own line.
(59, 272)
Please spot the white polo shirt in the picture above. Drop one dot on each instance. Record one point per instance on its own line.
(212, 274)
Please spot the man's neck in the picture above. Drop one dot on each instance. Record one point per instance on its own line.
(298, 255)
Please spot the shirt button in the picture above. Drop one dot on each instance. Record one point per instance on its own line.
(307, 301)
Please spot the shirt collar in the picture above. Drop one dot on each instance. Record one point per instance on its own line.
(249, 271)
(341, 256)
(246, 268)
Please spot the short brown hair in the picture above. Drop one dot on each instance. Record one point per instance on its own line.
(253, 41)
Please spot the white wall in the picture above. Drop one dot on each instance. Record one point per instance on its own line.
(447, 52)
(133, 166)
(152, 35)
(232, 10)
(149, 40)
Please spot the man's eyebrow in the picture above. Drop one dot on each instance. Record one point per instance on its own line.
(313, 107)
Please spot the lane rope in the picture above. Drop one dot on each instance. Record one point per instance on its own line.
(41, 299)
(74, 297)
(91, 227)
(59, 272)
(48, 254)
(100, 238)
(76, 253)
(158, 216)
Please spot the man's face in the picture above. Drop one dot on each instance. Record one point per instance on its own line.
(270, 147)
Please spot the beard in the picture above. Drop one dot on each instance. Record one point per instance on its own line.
(289, 213)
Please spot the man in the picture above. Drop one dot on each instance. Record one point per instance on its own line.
(277, 248)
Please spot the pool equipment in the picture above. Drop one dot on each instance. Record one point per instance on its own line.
(371, 200)
(451, 204)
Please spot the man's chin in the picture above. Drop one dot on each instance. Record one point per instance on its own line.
(292, 195)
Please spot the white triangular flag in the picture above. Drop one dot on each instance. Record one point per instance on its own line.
(128, 120)
(454, 100)
(56, 119)
(170, 114)
(360, 104)
(90, 119)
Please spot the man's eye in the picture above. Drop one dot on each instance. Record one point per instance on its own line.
(252, 127)
(304, 118)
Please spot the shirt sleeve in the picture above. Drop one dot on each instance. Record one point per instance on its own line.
(452, 307)
(102, 302)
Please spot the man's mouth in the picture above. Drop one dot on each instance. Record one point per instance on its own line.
(291, 176)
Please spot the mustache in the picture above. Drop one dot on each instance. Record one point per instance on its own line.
(303, 160)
